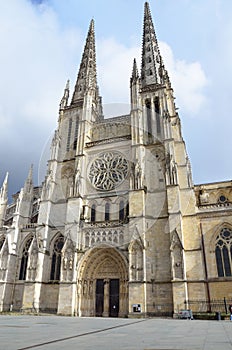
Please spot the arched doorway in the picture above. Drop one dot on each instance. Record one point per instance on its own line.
(103, 283)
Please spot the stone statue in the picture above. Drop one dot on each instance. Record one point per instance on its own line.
(138, 174)
(65, 261)
(132, 176)
(203, 197)
(77, 182)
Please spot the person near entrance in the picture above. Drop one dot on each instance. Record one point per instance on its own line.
(230, 309)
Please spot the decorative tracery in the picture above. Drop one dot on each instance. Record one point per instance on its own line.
(108, 170)
(56, 258)
(223, 252)
(24, 259)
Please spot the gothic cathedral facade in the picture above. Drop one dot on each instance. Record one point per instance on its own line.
(117, 228)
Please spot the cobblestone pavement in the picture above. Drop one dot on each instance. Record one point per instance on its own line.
(56, 332)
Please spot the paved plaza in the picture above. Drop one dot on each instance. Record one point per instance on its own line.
(56, 332)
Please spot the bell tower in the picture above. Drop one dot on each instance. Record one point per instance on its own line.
(162, 204)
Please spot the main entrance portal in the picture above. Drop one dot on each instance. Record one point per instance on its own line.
(103, 285)
(107, 294)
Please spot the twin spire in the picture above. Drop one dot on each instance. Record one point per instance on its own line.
(152, 68)
(87, 76)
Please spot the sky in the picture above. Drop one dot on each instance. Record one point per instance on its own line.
(41, 46)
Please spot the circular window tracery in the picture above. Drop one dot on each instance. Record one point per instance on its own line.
(225, 236)
(108, 170)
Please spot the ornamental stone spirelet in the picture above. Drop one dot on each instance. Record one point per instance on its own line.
(108, 170)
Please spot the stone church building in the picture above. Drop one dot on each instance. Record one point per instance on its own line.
(117, 228)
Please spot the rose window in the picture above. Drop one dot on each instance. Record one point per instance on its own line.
(108, 171)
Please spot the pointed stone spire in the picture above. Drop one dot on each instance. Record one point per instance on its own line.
(4, 190)
(135, 86)
(135, 74)
(64, 100)
(152, 70)
(28, 186)
(87, 76)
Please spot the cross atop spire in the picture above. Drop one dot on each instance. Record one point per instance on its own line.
(152, 67)
(87, 76)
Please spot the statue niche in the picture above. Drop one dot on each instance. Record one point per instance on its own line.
(67, 181)
(68, 260)
(176, 249)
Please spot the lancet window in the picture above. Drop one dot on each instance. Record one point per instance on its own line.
(223, 253)
(93, 213)
(107, 211)
(157, 115)
(24, 260)
(149, 118)
(121, 211)
(56, 258)
(76, 134)
(69, 134)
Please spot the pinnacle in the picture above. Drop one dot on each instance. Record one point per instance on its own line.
(135, 73)
(29, 181)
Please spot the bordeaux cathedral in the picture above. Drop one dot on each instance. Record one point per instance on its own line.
(117, 228)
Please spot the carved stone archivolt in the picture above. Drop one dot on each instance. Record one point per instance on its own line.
(101, 263)
(108, 170)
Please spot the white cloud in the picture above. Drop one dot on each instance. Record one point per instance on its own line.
(189, 81)
(34, 62)
(37, 56)
(115, 67)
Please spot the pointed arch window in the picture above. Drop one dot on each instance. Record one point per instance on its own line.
(149, 117)
(56, 258)
(107, 211)
(76, 134)
(223, 253)
(127, 212)
(121, 211)
(93, 213)
(69, 134)
(24, 260)
(157, 115)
